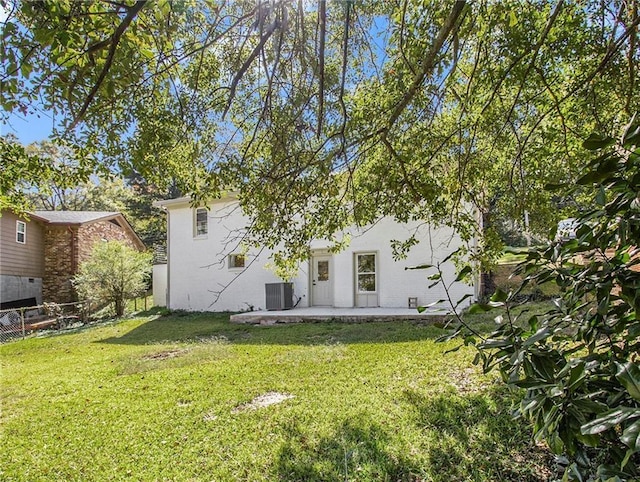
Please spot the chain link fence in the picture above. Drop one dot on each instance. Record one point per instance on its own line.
(20, 322)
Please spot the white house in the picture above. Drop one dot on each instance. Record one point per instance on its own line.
(208, 268)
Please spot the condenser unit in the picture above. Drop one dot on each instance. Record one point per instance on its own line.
(279, 296)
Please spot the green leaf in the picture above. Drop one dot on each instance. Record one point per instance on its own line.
(541, 334)
(592, 177)
(420, 266)
(629, 375)
(631, 436)
(609, 420)
(479, 308)
(464, 272)
(148, 53)
(513, 19)
(631, 134)
(499, 296)
(467, 296)
(597, 141)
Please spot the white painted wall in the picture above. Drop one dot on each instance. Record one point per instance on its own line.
(159, 285)
(395, 283)
(199, 277)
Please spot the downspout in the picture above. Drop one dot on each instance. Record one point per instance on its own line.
(168, 262)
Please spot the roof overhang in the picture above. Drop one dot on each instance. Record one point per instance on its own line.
(115, 216)
(188, 200)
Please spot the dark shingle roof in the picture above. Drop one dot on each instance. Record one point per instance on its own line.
(73, 217)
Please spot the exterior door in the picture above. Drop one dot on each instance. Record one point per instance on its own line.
(321, 281)
(366, 280)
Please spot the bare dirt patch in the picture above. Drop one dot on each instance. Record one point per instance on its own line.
(269, 398)
(164, 355)
(466, 381)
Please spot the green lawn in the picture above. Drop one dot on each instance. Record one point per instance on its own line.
(164, 399)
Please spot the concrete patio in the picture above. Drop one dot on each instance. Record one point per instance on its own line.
(348, 315)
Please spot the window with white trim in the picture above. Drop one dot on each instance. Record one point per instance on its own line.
(21, 232)
(236, 261)
(201, 220)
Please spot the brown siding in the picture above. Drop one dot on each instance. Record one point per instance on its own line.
(21, 259)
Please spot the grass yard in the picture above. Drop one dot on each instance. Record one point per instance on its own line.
(170, 399)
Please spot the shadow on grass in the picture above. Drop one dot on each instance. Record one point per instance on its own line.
(358, 449)
(476, 437)
(470, 437)
(192, 327)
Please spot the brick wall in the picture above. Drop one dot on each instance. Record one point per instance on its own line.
(89, 234)
(59, 263)
(68, 246)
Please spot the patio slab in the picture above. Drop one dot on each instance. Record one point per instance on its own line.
(349, 315)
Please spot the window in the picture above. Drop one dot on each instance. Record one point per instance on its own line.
(21, 232)
(323, 270)
(236, 261)
(366, 274)
(202, 222)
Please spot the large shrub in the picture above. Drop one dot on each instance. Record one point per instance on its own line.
(113, 273)
(579, 362)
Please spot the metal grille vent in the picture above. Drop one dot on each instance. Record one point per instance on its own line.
(279, 296)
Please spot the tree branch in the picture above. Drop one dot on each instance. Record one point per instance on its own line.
(322, 26)
(115, 39)
(428, 64)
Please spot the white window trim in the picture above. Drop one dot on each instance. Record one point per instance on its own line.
(375, 273)
(236, 268)
(23, 232)
(195, 223)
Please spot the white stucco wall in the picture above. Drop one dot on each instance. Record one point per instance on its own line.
(199, 278)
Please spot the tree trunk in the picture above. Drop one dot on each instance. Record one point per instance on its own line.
(119, 307)
(487, 278)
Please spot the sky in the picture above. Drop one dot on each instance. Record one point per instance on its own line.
(34, 127)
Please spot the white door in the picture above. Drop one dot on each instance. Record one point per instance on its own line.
(366, 278)
(321, 281)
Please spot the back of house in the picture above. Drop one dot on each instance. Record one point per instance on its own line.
(209, 267)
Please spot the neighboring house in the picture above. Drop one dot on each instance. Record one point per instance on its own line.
(40, 254)
(208, 268)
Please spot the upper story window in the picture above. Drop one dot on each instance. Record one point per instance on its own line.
(21, 232)
(201, 222)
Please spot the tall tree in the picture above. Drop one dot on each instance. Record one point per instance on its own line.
(333, 112)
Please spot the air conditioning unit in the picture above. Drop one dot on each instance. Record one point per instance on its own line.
(279, 296)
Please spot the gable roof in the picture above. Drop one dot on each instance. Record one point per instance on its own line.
(73, 217)
(77, 218)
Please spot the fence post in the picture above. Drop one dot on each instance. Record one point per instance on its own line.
(22, 323)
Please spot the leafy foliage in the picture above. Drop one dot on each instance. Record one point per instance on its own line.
(25, 169)
(322, 115)
(579, 362)
(113, 273)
